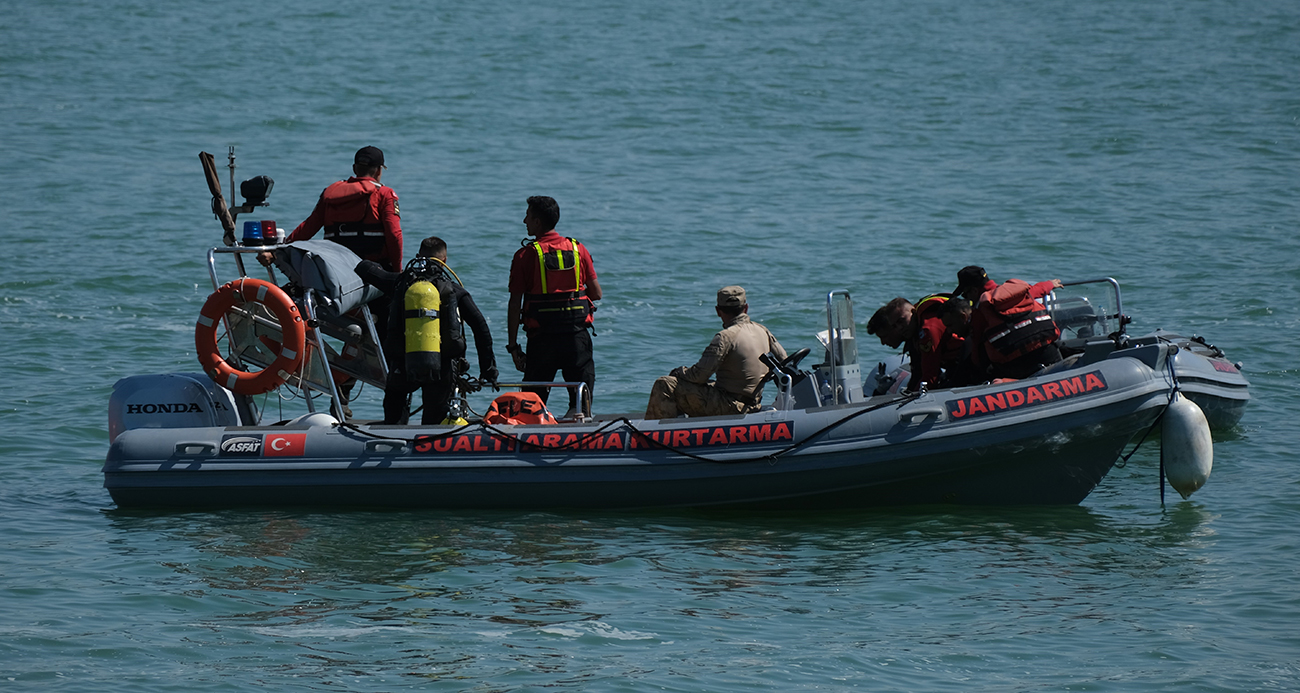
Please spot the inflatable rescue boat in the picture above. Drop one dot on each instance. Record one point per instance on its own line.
(196, 440)
(193, 440)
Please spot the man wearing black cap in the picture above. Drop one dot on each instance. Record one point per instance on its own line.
(733, 356)
(1013, 333)
(359, 213)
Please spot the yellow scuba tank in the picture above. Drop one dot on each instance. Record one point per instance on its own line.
(423, 332)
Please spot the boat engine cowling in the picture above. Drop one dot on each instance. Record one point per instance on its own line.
(169, 400)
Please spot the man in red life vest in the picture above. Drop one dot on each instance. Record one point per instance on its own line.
(361, 215)
(919, 328)
(891, 322)
(959, 365)
(1013, 333)
(552, 286)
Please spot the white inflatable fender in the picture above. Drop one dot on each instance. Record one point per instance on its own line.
(1186, 446)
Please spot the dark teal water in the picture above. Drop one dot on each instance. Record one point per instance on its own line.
(793, 148)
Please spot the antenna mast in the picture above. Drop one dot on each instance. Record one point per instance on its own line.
(232, 175)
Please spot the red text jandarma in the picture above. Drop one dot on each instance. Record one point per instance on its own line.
(1019, 398)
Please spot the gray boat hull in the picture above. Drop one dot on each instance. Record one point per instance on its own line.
(1045, 440)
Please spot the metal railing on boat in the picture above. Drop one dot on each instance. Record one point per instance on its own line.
(318, 374)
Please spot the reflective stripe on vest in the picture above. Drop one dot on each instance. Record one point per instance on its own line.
(558, 309)
(345, 195)
(929, 303)
(1021, 335)
(559, 257)
(353, 229)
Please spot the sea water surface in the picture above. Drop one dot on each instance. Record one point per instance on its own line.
(791, 147)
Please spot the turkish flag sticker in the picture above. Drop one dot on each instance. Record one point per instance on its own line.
(284, 445)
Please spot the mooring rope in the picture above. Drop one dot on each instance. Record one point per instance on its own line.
(1173, 378)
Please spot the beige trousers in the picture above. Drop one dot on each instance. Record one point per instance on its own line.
(671, 396)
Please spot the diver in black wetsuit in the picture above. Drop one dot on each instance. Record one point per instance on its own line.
(458, 307)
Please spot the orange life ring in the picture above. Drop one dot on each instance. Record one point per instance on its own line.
(288, 352)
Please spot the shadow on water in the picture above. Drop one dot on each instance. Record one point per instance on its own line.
(279, 550)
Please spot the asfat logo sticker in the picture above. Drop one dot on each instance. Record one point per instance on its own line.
(241, 446)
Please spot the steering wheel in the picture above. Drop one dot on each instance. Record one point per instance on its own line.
(788, 365)
(791, 363)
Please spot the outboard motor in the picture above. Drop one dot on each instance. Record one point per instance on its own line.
(888, 376)
(169, 400)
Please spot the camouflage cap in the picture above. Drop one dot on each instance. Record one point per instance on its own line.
(731, 296)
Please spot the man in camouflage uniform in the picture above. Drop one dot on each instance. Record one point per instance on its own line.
(732, 356)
